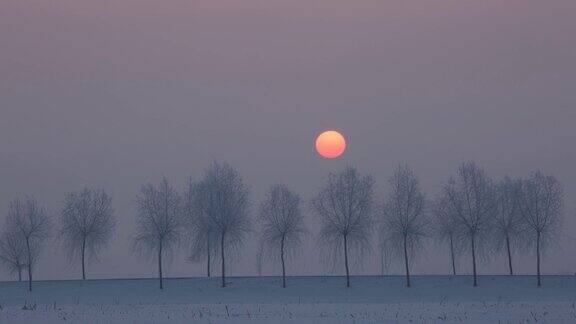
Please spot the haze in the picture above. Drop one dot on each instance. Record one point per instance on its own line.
(115, 94)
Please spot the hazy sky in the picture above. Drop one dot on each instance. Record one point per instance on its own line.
(115, 94)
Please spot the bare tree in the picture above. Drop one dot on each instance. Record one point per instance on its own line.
(404, 222)
(200, 229)
(445, 228)
(30, 224)
(541, 206)
(282, 223)
(158, 222)
(87, 224)
(508, 223)
(227, 208)
(472, 200)
(13, 253)
(345, 206)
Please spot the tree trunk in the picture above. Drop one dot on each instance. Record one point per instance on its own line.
(160, 265)
(83, 253)
(509, 255)
(19, 273)
(283, 266)
(406, 261)
(346, 261)
(474, 261)
(538, 258)
(208, 256)
(29, 264)
(452, 256)
(223, 260)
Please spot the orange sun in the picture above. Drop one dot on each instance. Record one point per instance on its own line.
(330, 144)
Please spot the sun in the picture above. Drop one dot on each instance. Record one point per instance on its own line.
(330, 144)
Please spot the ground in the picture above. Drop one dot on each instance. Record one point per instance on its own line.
(306, 300)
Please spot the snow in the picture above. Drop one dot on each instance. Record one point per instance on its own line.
(306, 300)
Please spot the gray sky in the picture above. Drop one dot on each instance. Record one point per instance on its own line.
(119, 93)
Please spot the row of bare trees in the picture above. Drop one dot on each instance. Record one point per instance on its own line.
(211, 216)
(86, 225)
(479, 217)
(473, 215)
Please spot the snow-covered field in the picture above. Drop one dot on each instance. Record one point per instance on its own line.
(306, 300)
